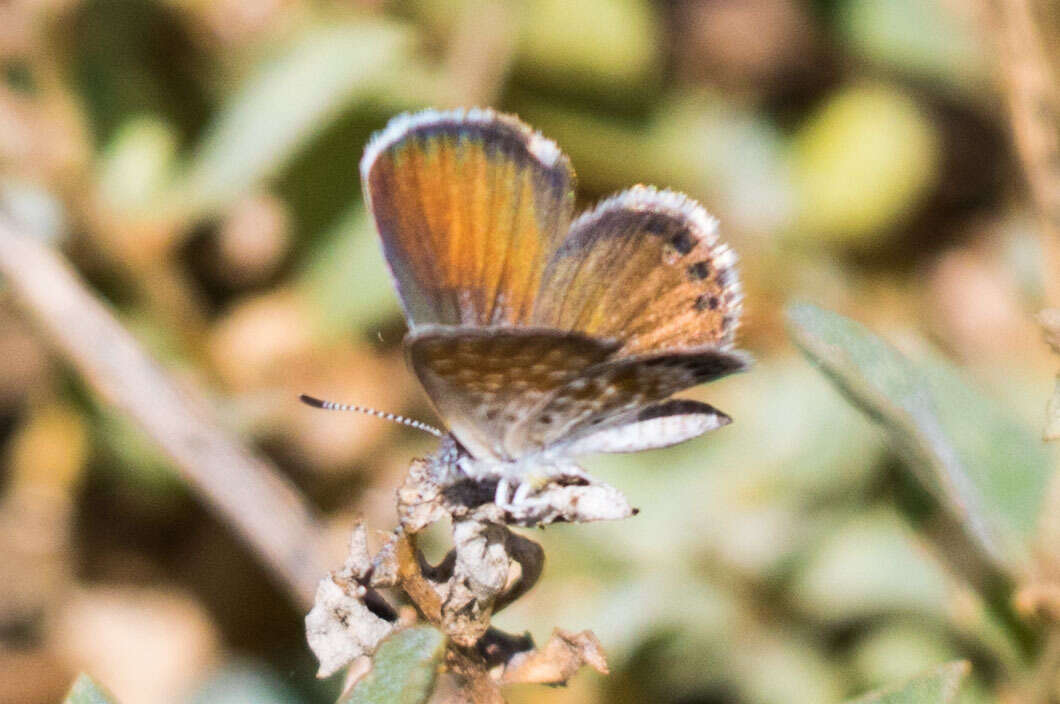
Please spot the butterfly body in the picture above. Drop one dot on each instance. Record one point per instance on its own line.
(539, 336)
(533, 470)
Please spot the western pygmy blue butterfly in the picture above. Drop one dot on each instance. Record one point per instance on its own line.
(539, 336)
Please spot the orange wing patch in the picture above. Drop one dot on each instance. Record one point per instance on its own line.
(470, 207)
(644, 267)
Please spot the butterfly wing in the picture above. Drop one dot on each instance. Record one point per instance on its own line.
(528, 334)
(486, 381)
(661, 425)
(470, 206)
(644, 267)
(615, 391)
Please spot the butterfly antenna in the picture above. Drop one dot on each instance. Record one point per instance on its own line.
(332, 406)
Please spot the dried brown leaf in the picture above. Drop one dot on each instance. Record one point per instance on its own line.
(558, 661)
(341, 628)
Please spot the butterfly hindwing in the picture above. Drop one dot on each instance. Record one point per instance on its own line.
(617, 390)
(486, 381)
(645, 267)
(661, 425)
(470, 206)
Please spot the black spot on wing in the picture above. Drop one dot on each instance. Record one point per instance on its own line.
(699, 270)
(706, 302)
(683, 242)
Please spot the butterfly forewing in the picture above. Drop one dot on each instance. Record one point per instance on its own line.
(487, 381)
(470, 207)
(644, 267)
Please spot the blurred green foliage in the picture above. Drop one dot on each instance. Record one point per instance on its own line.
(85, 691)
(987, 468)
(940, 686)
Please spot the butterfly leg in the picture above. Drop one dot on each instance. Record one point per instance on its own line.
(522, 492)
(521, 500)
(500, 497)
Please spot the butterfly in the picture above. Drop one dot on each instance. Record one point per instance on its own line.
(537, 335)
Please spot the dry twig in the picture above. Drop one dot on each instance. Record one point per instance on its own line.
(244, 488)
(1034, 107)
(488, 568)
(1034, 113)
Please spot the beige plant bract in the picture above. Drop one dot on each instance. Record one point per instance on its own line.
(488, 568)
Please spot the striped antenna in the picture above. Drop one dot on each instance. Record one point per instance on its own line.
(332, 406)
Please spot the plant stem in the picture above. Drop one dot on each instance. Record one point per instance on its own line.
(242, 487)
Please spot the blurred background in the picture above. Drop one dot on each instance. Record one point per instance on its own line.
(196, 160)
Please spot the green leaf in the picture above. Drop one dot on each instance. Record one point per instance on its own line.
(284, 105)
(937, 686)
(86, 691)
(988, 469)
(403, 669)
